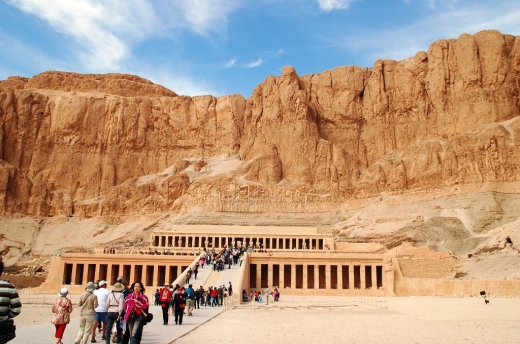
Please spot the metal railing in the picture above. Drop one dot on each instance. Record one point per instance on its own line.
(27, 298)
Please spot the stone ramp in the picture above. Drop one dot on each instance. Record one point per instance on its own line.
(217, 278)
(212, 280)
(154, 333)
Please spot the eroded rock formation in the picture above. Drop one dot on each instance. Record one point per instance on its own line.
(89, 145)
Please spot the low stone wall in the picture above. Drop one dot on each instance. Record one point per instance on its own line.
(428, 268)
(440, 287)
(406, 286)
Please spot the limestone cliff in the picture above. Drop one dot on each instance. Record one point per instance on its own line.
(90, 145)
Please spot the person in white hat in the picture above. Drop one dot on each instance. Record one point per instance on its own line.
(61, 308)
(101, 310)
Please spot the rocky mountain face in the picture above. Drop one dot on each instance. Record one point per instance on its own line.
(92, 145)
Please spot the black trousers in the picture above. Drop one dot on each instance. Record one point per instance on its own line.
(164, 306)
(178, 314)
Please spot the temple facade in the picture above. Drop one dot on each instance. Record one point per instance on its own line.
(296, 260)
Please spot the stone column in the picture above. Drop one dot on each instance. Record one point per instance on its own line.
(374, 277)
(293, 276)
(109, 274)
(97, 275)
(132, 274)
(327, 276)
(145, 274)
(155, 275)
(305, 286)
(281, 279)
(351, 276)
(362, 276)
(270, 275)
(258, 276)
(73, 274)
(167, 277)
(339, 272)
(317, 276)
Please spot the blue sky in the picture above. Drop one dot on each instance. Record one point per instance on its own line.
(218, 47)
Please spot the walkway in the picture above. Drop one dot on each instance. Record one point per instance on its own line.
(155, 332)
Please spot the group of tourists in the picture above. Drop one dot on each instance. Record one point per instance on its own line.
(119, 314)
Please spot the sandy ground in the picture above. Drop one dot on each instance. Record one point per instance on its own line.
(407, 320)
(350, 320)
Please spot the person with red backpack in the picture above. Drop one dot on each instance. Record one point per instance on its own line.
(165, 297)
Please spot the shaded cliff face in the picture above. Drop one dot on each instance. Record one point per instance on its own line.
(89, 145)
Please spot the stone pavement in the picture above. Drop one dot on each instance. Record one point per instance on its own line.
(154, 333)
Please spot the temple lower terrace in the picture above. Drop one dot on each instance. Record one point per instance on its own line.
(297, 260)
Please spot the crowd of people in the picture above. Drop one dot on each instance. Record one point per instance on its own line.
(119, 314)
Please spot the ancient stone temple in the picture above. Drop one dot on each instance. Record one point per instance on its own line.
(297, 260)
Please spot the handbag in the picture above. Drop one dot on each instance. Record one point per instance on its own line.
(7, 330)
(62, 316)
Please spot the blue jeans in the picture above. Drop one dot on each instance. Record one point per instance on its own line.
(111, 318)
(135, 322)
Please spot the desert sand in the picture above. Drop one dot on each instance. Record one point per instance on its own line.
(407, 320)
(373, 320)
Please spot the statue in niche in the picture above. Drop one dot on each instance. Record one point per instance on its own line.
(390, 269)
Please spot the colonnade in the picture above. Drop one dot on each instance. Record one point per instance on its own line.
(149, 274)
(268, 243)
(329, 275)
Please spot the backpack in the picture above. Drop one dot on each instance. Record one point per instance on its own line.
(191, 294)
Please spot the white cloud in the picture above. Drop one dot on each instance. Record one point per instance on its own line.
(203, 16)
(229, 64)
(440, 24)
(176, 81)
(254, 64)
(329, 5)
(103, 30)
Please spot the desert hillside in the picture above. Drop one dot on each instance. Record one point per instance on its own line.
(424, 149)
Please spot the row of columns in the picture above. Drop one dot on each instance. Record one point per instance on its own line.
(150, 275)
(270, 243)
(355, 274)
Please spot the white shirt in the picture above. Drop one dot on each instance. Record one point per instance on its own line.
(102, 296)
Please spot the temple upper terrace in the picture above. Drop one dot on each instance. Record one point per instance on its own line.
(258, 237)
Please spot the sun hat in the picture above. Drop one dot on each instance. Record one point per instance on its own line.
(118, 287)
(90, 286)
(102, 283)
(64, 292)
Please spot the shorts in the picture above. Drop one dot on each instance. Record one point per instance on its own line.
(101, 316)
(189, 303)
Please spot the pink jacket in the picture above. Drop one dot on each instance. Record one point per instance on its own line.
(140, 305)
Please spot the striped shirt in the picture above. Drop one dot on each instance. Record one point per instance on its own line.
(10, 305)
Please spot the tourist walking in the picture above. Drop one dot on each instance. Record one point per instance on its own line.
(61, 308)
(101, 310)
(87, 314)
(196, 270)
(214, 294)
(190, 300)
(10, 307)
(165, 297)
(220, 295)
(188, 276)
(115, 303)
(135, 308)
(179, 304)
